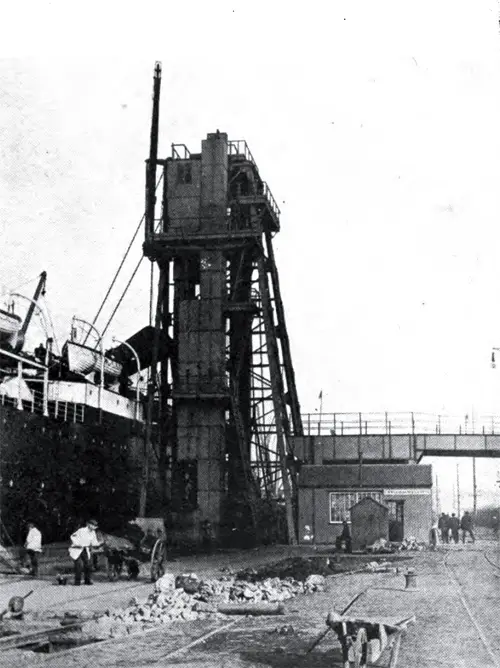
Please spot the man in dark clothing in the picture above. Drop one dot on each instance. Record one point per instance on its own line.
(454, 527)
(444, 527)
(345, 537)
(466, 525)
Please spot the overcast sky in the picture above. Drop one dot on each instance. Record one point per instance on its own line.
(376, 127)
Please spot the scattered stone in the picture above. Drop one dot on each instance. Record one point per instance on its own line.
(286, 630)
(187, 597)
(165, 583)
(411, 544)
(189, 582)
(315, 583)
(376, 567)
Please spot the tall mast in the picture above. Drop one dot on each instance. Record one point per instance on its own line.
(153, 155)
(150, 228)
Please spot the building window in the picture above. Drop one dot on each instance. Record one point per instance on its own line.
(184, 173)
(341, 502)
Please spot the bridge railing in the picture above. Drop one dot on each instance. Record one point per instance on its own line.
(345, 424)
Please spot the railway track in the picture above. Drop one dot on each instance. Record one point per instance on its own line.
(492, 563)
(482, 633)
(467, 584)
(121, 588)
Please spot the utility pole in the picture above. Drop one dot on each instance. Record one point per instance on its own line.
(458, 491)
(474, 486)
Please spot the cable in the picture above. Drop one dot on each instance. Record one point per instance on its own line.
(121, 298)
(126, 288)
(30, 280)
(121, 265)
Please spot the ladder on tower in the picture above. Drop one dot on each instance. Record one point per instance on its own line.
(251, 491)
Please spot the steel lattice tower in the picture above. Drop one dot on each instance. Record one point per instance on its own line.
(228, 386)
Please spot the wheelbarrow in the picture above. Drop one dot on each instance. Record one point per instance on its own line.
(363, 640)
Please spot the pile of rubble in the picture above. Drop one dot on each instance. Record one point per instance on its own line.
(411, 544)
(383, 546)
(379, 567)
(188, 598)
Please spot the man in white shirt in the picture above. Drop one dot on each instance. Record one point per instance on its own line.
(82, 542)
(33, 547)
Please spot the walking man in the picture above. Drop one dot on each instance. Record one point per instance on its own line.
(454, 527)
(345, 537)
(444, 527)
(466, 525)
(33, 547)
(82, 542)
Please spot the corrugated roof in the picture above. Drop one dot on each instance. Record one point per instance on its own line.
(372, 475)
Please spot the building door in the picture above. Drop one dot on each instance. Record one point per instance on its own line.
(396, 520)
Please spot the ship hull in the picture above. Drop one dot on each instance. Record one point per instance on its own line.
(60, 471)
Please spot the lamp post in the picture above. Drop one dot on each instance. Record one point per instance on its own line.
(137, 361)
(493, 366)
(101, 346)
(46, 371)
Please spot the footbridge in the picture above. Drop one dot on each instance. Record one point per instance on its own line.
(397, 437)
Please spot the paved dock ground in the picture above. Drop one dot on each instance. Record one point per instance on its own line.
(456, 606)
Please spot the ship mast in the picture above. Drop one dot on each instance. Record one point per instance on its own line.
(150, 225)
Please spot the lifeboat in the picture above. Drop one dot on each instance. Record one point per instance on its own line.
(10, 323)
(84, 360)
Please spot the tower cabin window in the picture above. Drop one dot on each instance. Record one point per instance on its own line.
(184, 173)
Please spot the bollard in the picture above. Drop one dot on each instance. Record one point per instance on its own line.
(410, 580)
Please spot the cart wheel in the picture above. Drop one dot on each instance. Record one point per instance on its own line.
(158, 559)
(110, 571)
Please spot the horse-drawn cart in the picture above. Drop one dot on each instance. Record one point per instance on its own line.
(143, 542)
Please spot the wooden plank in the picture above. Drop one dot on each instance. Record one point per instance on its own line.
(14, 641)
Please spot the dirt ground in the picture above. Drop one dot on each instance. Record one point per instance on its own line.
(444, 633)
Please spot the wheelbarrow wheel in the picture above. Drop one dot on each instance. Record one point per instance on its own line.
(158, 559)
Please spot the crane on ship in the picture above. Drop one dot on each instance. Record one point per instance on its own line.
(13, 328)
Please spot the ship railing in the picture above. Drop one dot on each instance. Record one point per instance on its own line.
(60, 410)
(67, 411)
